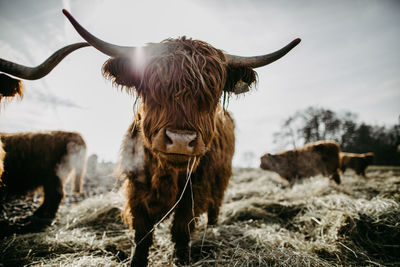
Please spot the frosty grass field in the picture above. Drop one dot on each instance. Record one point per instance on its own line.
(263, 222)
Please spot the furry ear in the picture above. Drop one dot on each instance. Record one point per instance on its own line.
(239, 79)
(121, 72)
(10, 87)
(272, 156)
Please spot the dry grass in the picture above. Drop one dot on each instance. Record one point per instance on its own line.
(263, 222)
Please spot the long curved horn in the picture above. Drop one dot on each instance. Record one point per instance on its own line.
(34, 73)
(104, 47)
(259, 61)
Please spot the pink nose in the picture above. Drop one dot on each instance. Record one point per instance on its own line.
(180, 142)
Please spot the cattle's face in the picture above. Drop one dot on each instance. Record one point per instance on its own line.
(269, 162)
(180, 89)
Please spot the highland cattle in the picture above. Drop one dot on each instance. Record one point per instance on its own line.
(314, 158)
(177, 153)
(44, 160)
(355, 161)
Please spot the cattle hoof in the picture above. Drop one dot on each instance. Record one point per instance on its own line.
(7, 229)
(41, 220)
(183, 262)
(138, 262)
(212, 222)
(33, 224)
(336, 178)
(182, 256)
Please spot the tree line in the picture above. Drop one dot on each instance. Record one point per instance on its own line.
(314, 124)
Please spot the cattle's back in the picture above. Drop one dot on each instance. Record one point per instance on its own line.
(314, 158)
(369, 158)
(350, 160)
(306, 163)
(327, 150)
(328, 153)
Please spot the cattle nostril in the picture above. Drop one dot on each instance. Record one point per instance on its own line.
(180, 142)
(168, 140)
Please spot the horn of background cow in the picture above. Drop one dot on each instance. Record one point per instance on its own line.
(259, 61)
(34, 73)
(104, 47)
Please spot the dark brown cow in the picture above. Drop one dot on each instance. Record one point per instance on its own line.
(314, 158)
(180, 135)
(42, 160)
(10, 87)
(357, 162)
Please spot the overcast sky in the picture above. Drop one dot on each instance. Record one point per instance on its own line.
(348, 60)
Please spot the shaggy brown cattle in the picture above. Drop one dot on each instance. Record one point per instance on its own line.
(180, 135)
(357, 162)
(314, 158)
(42, 159)
(10, 87)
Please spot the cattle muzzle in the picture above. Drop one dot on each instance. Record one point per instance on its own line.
(264, 163)
(178, 145)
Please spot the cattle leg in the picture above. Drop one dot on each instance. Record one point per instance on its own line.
(182, 226)
(53, 194)
(143, 236)
(336, 177)
(212, 214)
(343, 168)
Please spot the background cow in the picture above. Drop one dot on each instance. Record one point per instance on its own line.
(11, 87)
(42, 160)
(314, 158)
(180, 134)
(357, 162)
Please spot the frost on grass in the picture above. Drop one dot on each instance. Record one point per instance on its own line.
(263, 222)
